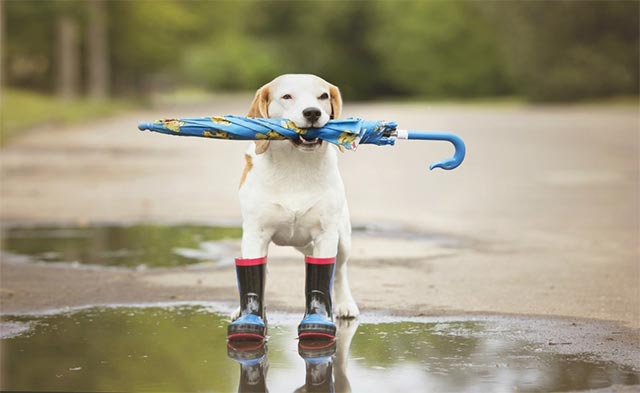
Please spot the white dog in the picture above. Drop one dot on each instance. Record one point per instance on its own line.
(291, 192)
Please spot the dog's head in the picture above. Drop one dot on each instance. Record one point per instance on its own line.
(306, 100)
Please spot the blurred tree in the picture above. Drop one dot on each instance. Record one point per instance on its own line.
(149, 39)
(437, 49)
(2, 48)
(98, 50)
(324, 38)
(31, 28)
(543, 51)
(568, 50)
(229, 56)
(67, 57)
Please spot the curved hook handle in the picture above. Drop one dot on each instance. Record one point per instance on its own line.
(458, 143)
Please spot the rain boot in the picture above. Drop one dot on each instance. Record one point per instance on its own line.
(251, 324)
(317, 323)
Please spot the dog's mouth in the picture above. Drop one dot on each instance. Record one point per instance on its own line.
(306, 143)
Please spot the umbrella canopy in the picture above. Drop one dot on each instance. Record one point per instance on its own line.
(346, 134)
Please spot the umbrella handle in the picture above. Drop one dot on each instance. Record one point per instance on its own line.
(458, 144)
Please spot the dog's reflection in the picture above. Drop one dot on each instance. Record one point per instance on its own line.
(325, 362)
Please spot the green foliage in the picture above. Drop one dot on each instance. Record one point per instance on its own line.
(232, 63)
(28, 45)
(324, 38)
(567, 50)
(439, 49)
(544, 51)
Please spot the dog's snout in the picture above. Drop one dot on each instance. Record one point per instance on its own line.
(312, 114)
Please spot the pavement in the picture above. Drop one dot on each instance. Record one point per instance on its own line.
(543, 214)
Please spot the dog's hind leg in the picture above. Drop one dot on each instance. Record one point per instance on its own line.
(344, 305)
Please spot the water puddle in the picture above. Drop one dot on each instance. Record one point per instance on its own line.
(183, 348)
(162, 245)
(125, 246)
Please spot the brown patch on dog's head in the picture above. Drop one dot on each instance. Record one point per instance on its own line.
(260, 108)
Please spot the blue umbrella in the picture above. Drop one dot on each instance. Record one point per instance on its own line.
(346, 134)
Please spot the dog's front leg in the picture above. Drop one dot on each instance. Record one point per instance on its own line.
(255, 241)
(317, 323)
(325, 245)
(255, 244)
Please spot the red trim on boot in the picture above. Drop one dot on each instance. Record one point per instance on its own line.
(319, 261)
(316, 336)
(251, 261)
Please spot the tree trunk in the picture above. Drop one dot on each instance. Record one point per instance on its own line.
(3, 62)
(67, 58)
(98, 50)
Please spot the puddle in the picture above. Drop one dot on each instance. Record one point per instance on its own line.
(126, 246)
(158, 245)
(183, 348)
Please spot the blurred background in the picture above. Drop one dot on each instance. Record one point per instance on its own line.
(106, 55)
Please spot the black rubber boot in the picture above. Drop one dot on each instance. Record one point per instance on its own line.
(317, 323)
(251, 325)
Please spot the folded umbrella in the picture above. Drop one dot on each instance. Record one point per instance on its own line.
(346, 134)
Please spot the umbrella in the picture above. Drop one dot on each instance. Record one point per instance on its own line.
(346, 134)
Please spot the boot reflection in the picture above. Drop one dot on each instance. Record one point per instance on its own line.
(326, 361)
(318, 361)
(252, 357)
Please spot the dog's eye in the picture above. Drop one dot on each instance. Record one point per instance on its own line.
(287, 97)
(324, 96)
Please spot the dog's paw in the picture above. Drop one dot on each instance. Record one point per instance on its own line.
(236, 314)
(346, 310)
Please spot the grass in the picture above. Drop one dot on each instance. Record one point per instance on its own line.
(22, 110)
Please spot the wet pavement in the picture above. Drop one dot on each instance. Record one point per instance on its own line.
(182, 347)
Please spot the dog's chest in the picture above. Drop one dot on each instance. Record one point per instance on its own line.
(297, 214)
(296, 198)
(295, 227)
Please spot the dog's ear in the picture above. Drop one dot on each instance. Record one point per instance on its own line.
(260, 105)
(260, 108)
(336, 101)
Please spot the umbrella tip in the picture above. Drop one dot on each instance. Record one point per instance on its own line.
(144, 126)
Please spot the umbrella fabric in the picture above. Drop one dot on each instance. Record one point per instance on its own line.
(347, 133)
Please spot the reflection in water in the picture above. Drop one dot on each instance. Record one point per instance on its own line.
(320, 360)
(183, 348)
(318, 363)
(153, 245)
(115, 245)
(252, 358)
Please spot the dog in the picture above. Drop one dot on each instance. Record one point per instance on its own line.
(291, 192)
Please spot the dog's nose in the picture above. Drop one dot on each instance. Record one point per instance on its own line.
(312, 114)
